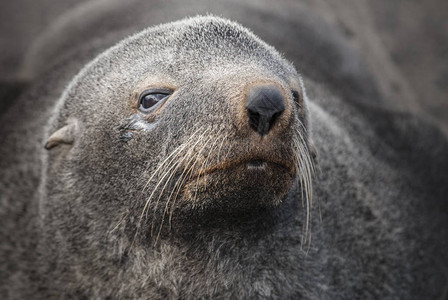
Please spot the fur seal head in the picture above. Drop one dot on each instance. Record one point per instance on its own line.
(193, 117)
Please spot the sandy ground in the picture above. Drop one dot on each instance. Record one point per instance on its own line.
(405, 44)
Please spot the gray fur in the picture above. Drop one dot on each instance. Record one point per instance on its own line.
(70, 215)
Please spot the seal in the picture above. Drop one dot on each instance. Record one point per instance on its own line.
(209, 131)
(179, 163)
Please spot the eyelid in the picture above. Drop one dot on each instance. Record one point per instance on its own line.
(155, 91)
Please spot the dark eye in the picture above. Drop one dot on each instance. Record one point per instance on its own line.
(150, 99)
(296, 96)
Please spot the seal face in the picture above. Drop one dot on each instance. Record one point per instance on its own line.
(213, 119)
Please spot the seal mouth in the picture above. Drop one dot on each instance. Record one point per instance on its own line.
(239, 185)
(250, 165)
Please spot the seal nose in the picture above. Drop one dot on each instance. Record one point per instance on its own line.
(264, 105)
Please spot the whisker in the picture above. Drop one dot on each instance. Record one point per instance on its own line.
(148, 201)
(305, 170)
(171, 173)
(205, 161)
(185, 176)
(178, 165)
(199, 155)
(162, 166)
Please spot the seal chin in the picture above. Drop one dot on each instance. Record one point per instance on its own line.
(240, 185)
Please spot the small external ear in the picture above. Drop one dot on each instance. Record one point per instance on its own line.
(64, 135)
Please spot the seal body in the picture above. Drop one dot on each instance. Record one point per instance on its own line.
(179, 163)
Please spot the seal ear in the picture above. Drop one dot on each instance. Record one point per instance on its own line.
(64, 135)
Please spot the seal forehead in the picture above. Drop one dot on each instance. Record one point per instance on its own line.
(205, 41)
(208, 32)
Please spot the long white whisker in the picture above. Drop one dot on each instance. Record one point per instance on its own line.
(305, 168)
(162, 166)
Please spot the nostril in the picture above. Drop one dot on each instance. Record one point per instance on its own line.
(264, 105)
(254, 119)
(274, 118)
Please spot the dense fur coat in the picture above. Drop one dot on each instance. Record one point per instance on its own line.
(71, 223)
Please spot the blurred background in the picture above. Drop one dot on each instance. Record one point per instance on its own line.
(404, 42)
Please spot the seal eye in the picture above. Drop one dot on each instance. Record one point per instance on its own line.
(296, 96)
(150, 99)
(297, 100)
